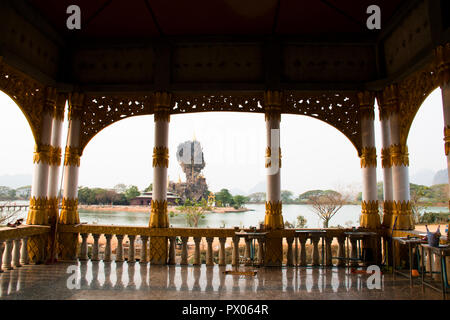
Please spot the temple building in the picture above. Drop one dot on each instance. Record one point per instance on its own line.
(145, 199)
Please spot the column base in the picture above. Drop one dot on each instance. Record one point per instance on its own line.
(36, 247)
(387, 214)
(273, 219)
(273, 255)
(66, 246)
(158, 250)
(158, 214)
(69, 212)
(402, 211)
(38, 212)
(370, 218)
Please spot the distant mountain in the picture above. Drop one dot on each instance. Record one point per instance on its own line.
(259, 187)
(440, 177)
(15, 181)
(423, 177)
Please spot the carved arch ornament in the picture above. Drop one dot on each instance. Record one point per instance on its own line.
(339, 109)
(27, 93)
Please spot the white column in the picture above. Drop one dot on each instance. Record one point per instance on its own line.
(369, 215)
(273, 218)
(69, 211)
(38, 213)
(158, 216)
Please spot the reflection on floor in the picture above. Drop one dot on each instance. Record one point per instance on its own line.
(111, 280)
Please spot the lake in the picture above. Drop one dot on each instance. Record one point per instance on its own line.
(347, 216)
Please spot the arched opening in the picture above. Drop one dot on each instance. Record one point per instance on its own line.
(16, 165)
(316, 157)
(427, 160)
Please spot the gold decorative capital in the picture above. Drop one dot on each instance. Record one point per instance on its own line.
(442, 54)
(399, 155)
(273, 101)
(69, 211)
(60, 105)
(369, 157)
(162, 106)
(447, 139)
(388, 101)
(42, 152)
(55, 156)
(160, 157)
(386, 158)
(274, 218)
(38, 211)
(369, 214)
(269, 155)
(72, 156)
(50, 100)
(158, 214)
(366, 101)
(76, 103)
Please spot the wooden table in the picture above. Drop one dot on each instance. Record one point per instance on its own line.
(442, 252)
(410, 242)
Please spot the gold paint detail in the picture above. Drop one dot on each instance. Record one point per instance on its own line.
(72, 156)
(67, 244)
(55, 156)
(273, 219)
(442, 54)
(69, 212)
(388, 206)
(36, 247)
(162, 101)
(386, 158)
(60, 105)
(447, 140)
(38, 211)
(76, 104)
(369, 157)
(402, 210)
(50, 100)
(42, 153)
(366, 101)
(388, 101)
(269, 155)
(158, 214)
(273, 101)
(158, 250)
(369, 215)
(399, 155)
(273, 255)
(53, 210)
(161, 157)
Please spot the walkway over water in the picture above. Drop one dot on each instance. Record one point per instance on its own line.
(111, 280)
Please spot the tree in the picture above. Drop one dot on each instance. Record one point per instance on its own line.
(327, 205)
(194, 211)
(257, 197)
(120, 188)
(149, 188)
(301, 221)
(286, 196)
(132, 192)
(239, 201)
(224, 197)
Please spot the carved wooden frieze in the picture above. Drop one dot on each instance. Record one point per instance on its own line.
(217, 63)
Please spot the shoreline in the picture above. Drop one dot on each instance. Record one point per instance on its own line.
(129, 208)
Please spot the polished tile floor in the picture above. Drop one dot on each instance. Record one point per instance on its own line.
(99, 280)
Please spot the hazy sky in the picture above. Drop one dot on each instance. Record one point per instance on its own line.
(314, 154)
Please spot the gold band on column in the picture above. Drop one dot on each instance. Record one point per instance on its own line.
(269, 155)
(402, 210)
(69, 211)
(273, 219)
(76, 103)
(272, 104)
(50, 100)
(369, 214)
(399, 155)
(158, 214)
(447, 139)
(369, 157)
(366, 101)
(42, 153)
(72, 157)
(38, 212)
(53, 210)
(160, 157)
(55, 156)
(387, 213)
(162, 106)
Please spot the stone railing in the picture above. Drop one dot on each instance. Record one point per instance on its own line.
(14, 245)
(211, 245)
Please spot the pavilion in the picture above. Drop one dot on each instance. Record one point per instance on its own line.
(322, 59)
